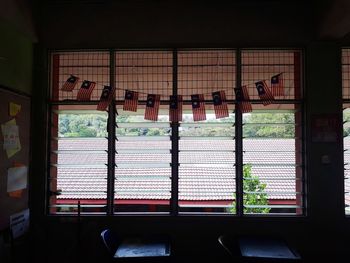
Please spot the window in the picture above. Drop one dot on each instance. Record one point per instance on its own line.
(116, 162)
(346, 124)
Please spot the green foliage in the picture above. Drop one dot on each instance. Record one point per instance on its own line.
(280, 125)
(82, 125)
(252, 183)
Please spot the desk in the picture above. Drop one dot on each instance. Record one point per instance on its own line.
(266, 248)
(143, 247)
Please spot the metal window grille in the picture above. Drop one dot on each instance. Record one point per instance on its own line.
(92, 66)
(147, 72)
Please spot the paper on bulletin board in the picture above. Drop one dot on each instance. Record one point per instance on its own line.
(19, 223)
(10, 132)
(14, 109)
(17, 178)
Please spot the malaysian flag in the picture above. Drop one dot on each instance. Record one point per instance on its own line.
(198, 107)
(242, 97)
(220, 105)
(106, 97)
(277, 87)
(130, 100)
(152, 107)
(70, 83)
(85, 90)
(264, 92)
(175, 108)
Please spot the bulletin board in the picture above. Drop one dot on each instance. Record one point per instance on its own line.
(15, 201)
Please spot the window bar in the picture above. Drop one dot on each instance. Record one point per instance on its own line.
(174, 207)
(239, 142)
(300, 201)
(111, 124)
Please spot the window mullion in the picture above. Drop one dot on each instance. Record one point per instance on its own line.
(239, 141)
(111, 141)
(174, 206)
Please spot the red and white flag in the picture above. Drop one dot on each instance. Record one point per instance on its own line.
(198, 107)
(264, 92)
(131, 100)
(242, 97)
(85, 90)
(152, 107)
(70, 83)
(220, 104)
(175, 108)
(106, 98)
(277, 87)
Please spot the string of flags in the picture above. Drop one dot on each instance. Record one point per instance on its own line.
(266, 94)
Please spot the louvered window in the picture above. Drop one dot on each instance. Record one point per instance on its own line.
(346, 125)
(117, 162)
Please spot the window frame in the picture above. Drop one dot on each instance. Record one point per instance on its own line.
(174, 200)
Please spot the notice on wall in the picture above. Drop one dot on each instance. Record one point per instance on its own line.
(325, 128)
(19, 223)
(10, 133)
(17, 178)
(14, 109)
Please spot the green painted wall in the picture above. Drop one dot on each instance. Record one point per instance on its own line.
(16, 52)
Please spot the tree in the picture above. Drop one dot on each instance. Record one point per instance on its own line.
(252, 183)
(265, 125)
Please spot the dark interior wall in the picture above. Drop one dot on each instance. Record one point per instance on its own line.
(175, 23)
(15, 58)
(320, 234)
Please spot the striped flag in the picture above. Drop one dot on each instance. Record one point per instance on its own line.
(220, 104)
(277, 87)
(175, 108)
(106, 97)
(242, 97)
(85, 90)
(152, 107)
(264, 92)
(70, 83)
(198, 107)
(131, 100)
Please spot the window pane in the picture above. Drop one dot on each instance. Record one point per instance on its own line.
(143, 158)
(78, 161)
(272, 179)
(346, 131)
(207, 164)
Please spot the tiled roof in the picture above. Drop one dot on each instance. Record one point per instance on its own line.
(206, 169)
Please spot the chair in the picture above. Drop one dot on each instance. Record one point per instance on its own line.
(136, 248)
(110, 241)
(259, 249)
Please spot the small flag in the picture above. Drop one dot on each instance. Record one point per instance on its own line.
(242, 97)
(85, 90)
(70, 83)
(264, 92)
(277, 87)
(175, 108)
(152, 107)
(198, 107)
(130, 100)
(220, 104)
(106, 98)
